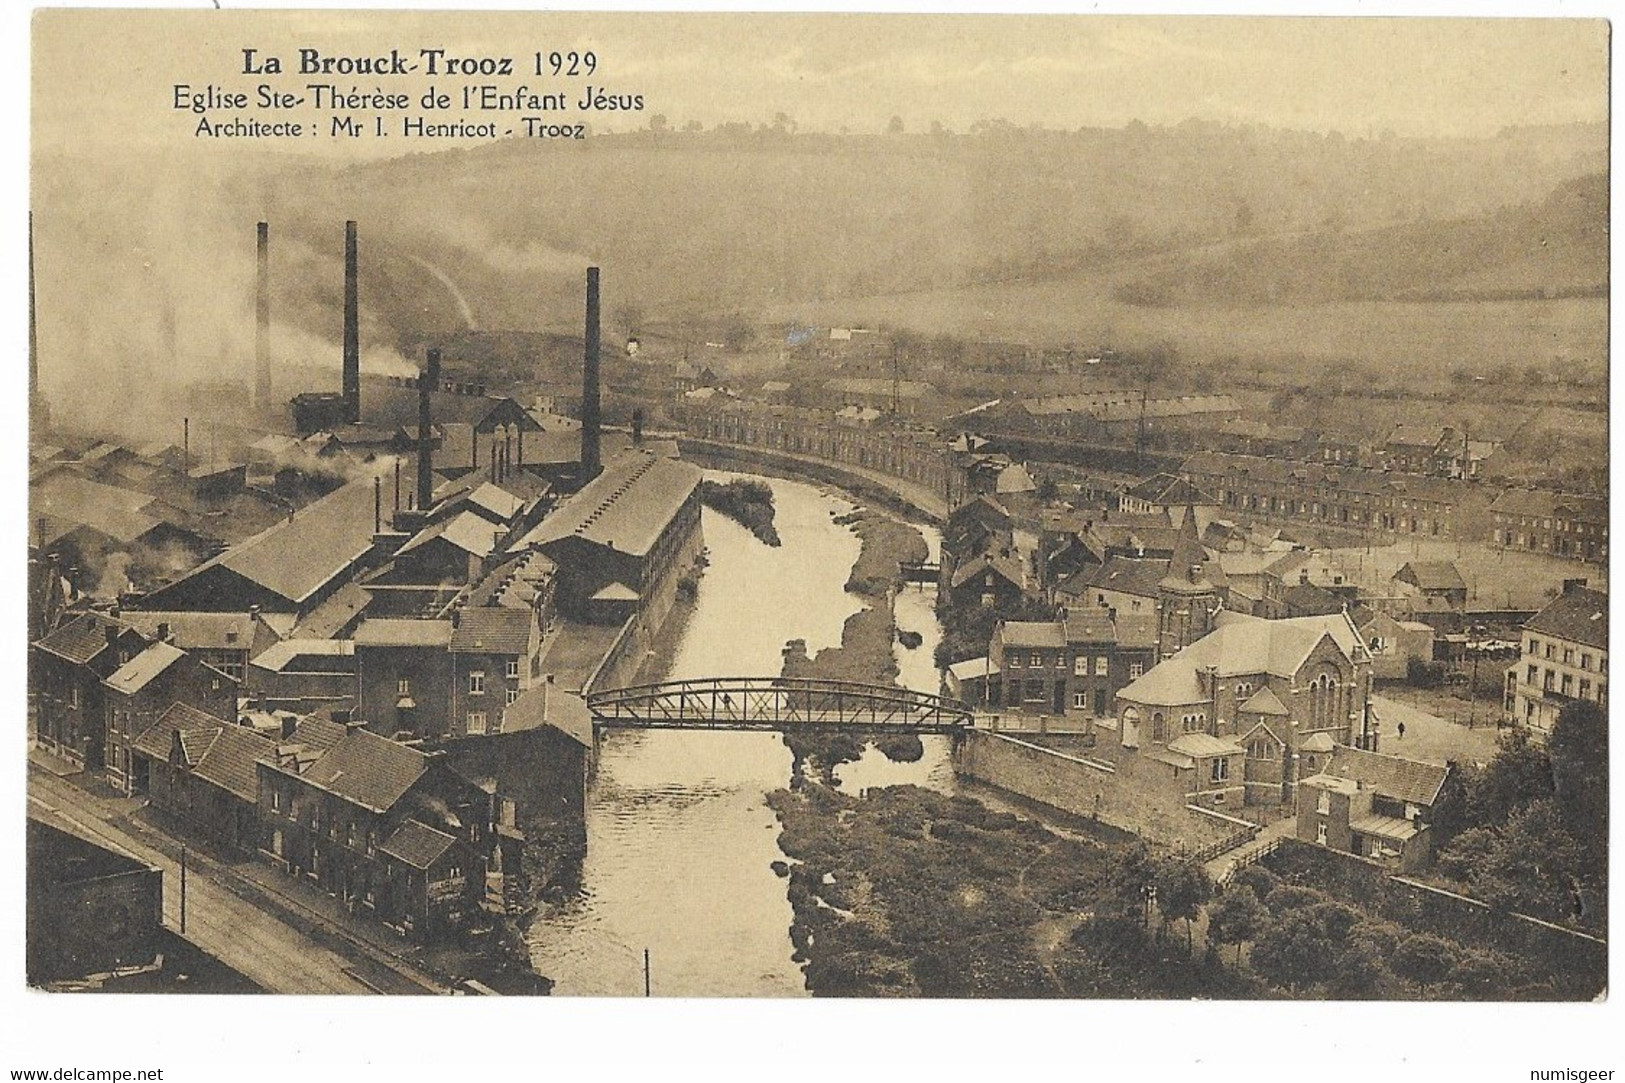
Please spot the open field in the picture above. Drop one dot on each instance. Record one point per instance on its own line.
(1496, 578)
(1418, 337)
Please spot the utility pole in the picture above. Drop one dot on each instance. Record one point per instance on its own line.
(183, 889)
(646, 972)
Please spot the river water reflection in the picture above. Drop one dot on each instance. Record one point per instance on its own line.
(679, 836)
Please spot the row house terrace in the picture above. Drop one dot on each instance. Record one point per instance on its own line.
(1564, 658)
(1070, 668)
(1534, 521)
(392, 831)
(141, 691)
(1348, 497)
(68, 666)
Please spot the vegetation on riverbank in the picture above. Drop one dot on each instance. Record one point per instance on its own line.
(748, 503)
(865, 653)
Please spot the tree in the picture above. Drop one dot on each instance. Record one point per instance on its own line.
(1578, 750)
(657, 123)
(1295, 952)
(1237, 917)
(1182, 890)
(894, 126)
(1521, 772)
(1424, 958)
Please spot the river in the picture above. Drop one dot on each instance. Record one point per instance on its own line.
(679, 837)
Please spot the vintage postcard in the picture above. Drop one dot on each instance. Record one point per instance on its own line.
(767, 505)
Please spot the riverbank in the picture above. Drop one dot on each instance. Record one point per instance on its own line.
(865, 654)
(894, 494)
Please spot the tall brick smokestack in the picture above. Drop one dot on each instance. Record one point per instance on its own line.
(427, 383)
(591, 456)
(352, 329)
(262, 316)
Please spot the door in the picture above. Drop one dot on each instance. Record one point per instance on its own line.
(1059, 697)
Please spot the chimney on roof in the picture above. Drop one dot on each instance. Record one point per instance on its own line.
(262, 315)
(165, 632)
(591, 461)
(352, 330)
(1571, 585)
(426, 383)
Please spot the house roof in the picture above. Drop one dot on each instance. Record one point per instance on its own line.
(192, 630)
(1432, 575)
(1579, 615)
(80, 639)
(336, 613)
(543, 705)
(1392, 776)
(317, 733)
(615, 592)
(1015, 479)
(1124, 575)
(419, 845)
(403, 632)
(230, 758)
(139, 671)
(1007, 568)
(1538, 503)
(491, 629)
(1028, 633)
(1318, 742)
(67, 501)
(1388, 827)
(1203, 745)
(279, 656)
(1169, 490)
(1408, 435)
(627, 507)
(973, 669)
(196, 730)
(368, 770)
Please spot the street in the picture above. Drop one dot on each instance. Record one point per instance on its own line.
(265, 949)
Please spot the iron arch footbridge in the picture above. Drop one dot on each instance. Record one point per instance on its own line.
(777, 704)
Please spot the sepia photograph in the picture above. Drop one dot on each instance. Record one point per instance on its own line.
(751, 505)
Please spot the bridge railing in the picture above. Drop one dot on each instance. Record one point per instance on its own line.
(774, 702)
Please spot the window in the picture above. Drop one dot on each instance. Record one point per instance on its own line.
(476, 721)
(1102, 662)
(1136, 670)
(1035, 660)
(1551, 650)
(1159, 728)
(1220, 770)
(276, 800)
(1192, 723)
(513, 669)
(476, 682)
(1533, 675)
(513, 694)
(1568, 656)
(1080, 700)
(1568, 684)
(1323, 805)
(1320, 834)
(1585, 661)
(1080, 666)
(1035, 691)
(1014, 660)
(403, 687)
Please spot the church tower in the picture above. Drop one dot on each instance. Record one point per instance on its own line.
(1187, 597)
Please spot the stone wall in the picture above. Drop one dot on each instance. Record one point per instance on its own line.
(1131, 796)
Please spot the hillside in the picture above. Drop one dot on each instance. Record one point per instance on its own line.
(1557, 247)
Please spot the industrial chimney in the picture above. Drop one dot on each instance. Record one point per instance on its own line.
(262, 316)
(352, 330)
(426, 384)
(591, 461)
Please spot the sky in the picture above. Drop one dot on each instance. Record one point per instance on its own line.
(104, 80)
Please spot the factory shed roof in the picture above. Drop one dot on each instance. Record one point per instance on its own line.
(627, 507)
(297, 556)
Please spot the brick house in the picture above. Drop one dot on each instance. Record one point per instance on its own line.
(390, 830)
(139, 692)
(201, 770)
(1564, 658)
(1069, 668)
(404, 676)
(1373, 805)
(67, 669)
(1544, 522)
